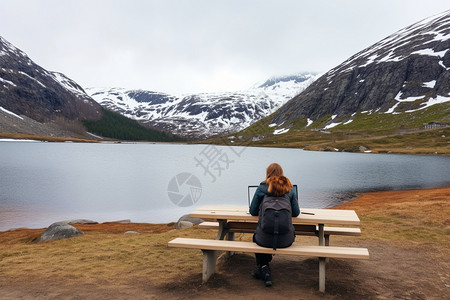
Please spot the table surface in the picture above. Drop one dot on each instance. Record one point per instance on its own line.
(307, 216)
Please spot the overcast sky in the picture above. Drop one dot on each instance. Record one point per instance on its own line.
(189, 46)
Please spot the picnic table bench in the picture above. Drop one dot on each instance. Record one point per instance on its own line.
(230, 219)
(210, 248)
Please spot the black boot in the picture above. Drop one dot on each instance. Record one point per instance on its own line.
(266, 276)
(257, 273)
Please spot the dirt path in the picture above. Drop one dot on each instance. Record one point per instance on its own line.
(393, 272)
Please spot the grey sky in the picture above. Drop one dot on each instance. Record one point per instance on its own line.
(183, 46)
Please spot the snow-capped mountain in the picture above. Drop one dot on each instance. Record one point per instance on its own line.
(406, 72)
(206, 114)
(30, 90)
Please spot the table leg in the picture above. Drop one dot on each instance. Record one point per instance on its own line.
(322, 267)
(230, 237)
(209, 264)
(322, 237)
(223, 229)
(327, 243)
(321, 234)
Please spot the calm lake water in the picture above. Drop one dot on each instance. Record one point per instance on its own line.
(41, 183)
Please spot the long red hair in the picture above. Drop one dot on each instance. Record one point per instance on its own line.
(278, 183)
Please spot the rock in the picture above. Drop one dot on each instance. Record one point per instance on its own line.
(189, 219)
(122, 221)
(58, 231)
(362, 148)
(184, 224)
(80, 221)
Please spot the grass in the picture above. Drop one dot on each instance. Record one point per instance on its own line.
(419, 216)
(100, 254)
(379, 132)
(417, 142)
(434, 141)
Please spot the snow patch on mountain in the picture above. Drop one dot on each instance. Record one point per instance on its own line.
(428, 37)
(10, 113)
(389, 49)
(206, 114)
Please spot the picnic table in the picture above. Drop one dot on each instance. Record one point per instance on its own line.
(230, 219)
(238, 219)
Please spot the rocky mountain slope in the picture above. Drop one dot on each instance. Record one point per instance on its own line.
(33, 96)
(207, 114)
(43, 104)
(404, 73)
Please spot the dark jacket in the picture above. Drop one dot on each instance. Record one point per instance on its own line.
(262, 238)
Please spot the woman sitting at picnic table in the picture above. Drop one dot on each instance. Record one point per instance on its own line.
(279, 188)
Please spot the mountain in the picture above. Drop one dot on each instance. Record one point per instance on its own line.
(404, 76)
(206, 114)
(43, 103)
(42, 99)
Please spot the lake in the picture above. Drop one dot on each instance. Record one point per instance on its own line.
(41, 183)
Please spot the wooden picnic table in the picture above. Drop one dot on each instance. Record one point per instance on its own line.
(239, 216)
(230, 219)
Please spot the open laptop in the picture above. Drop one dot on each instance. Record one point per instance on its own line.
(252, 190)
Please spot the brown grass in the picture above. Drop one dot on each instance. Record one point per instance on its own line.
(434, 141)
(103, 253)
(410, 215)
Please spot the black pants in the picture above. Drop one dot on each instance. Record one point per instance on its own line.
(262, 259)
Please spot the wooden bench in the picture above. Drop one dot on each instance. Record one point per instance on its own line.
(210, 248)
(299, 229)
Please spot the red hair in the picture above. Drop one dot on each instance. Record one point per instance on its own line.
(274, 169)
(278, 183)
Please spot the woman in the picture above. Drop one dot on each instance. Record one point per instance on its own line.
(275, 185)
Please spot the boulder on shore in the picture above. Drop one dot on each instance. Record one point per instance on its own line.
(79, 221)
(186, 222)
(189, 219)
(58, 231)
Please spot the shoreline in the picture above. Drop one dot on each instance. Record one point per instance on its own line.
(13, 137)
(377, 197)
(385, 196)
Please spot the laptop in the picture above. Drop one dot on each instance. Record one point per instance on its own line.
(252, 190)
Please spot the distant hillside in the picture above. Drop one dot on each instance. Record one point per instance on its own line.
(115, 126)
